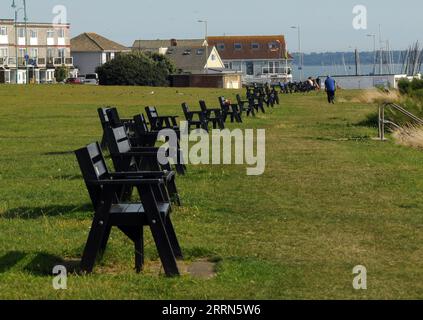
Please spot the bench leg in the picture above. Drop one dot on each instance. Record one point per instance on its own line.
(136, 234)
(94, 243)
(158, 231)
(106, 236)
(139, 251)
(173, 239)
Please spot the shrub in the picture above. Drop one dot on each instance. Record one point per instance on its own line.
(61, 73)
(134, 69)
(404, 86)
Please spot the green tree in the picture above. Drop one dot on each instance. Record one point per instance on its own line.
(134, 69)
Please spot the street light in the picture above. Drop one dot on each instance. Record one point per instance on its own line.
(26, 41)
(16, 38)
(299, 51)
(207, 43)
(17, 10)
(374, 51)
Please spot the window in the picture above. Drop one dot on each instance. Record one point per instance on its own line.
(21, 33)
(33, 33)
(272, 68)
(33, 53)
(250, 68)
(200, 52)
(273, 45)
(3, 31)
(22, 52)
(50, 53)
(61, 33)
(220, 46)
(213, 57)
(238, 46)
(62, 53)
(108, 56)
(4, 52)
(255, 46)
(50, 34)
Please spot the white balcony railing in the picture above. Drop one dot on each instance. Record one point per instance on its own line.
(275, 71)
(36, 62)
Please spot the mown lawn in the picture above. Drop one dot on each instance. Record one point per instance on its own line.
(331, 198)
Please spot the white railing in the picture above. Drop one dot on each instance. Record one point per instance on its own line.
(275, 71)
(383, 121)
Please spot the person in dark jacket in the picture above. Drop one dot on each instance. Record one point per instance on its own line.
(330, 86)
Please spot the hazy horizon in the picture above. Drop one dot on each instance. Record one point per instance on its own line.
(326, 26)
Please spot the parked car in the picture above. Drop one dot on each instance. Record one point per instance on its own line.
(74, 81)
(92, 79)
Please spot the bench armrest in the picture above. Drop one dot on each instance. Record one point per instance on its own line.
(142, 174)
(126, 182)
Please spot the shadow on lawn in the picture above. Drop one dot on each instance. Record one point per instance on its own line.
(27, 213)
(58, 153)
(41, 265)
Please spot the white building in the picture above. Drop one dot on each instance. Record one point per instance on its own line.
(261, 59)
(90, 50)
(369, 81)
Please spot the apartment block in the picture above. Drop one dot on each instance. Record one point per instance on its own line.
(33, 52)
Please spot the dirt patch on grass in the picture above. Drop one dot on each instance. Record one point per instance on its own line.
(199, 269)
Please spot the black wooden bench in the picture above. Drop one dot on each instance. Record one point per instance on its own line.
(127, 158)
(215, 116)
(158, 123)
(140, 136)
(230, 109)
(130, 217)
(244, 106)
(197, 119)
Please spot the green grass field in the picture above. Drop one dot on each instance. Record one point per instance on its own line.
(331, 198)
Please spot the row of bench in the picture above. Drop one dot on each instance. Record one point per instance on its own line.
(138, 174)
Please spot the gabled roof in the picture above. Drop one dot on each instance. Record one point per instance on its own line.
(156, 44)
(189, 59)
(269, 47)
(93, 42)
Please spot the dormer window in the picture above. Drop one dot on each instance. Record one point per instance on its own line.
(255, 46)
(273, 45)
(200, 52)
(238, 46)
(220, 46)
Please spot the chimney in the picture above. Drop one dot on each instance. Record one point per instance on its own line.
(173, 43)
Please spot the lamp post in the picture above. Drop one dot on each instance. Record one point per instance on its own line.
(14, 6)
(26, 41)
(300, 62)
(207, 44)
(374, 51)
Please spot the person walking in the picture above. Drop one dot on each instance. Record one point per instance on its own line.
(330, 85)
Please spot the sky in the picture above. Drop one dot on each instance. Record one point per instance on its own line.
(326, 25)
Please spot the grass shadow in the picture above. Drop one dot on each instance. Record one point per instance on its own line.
(58, 153)
(29, 213)
(371, 120)
(9, 260)
(43, 264)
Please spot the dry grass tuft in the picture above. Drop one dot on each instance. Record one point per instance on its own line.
(377, 96)
(410, 136)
